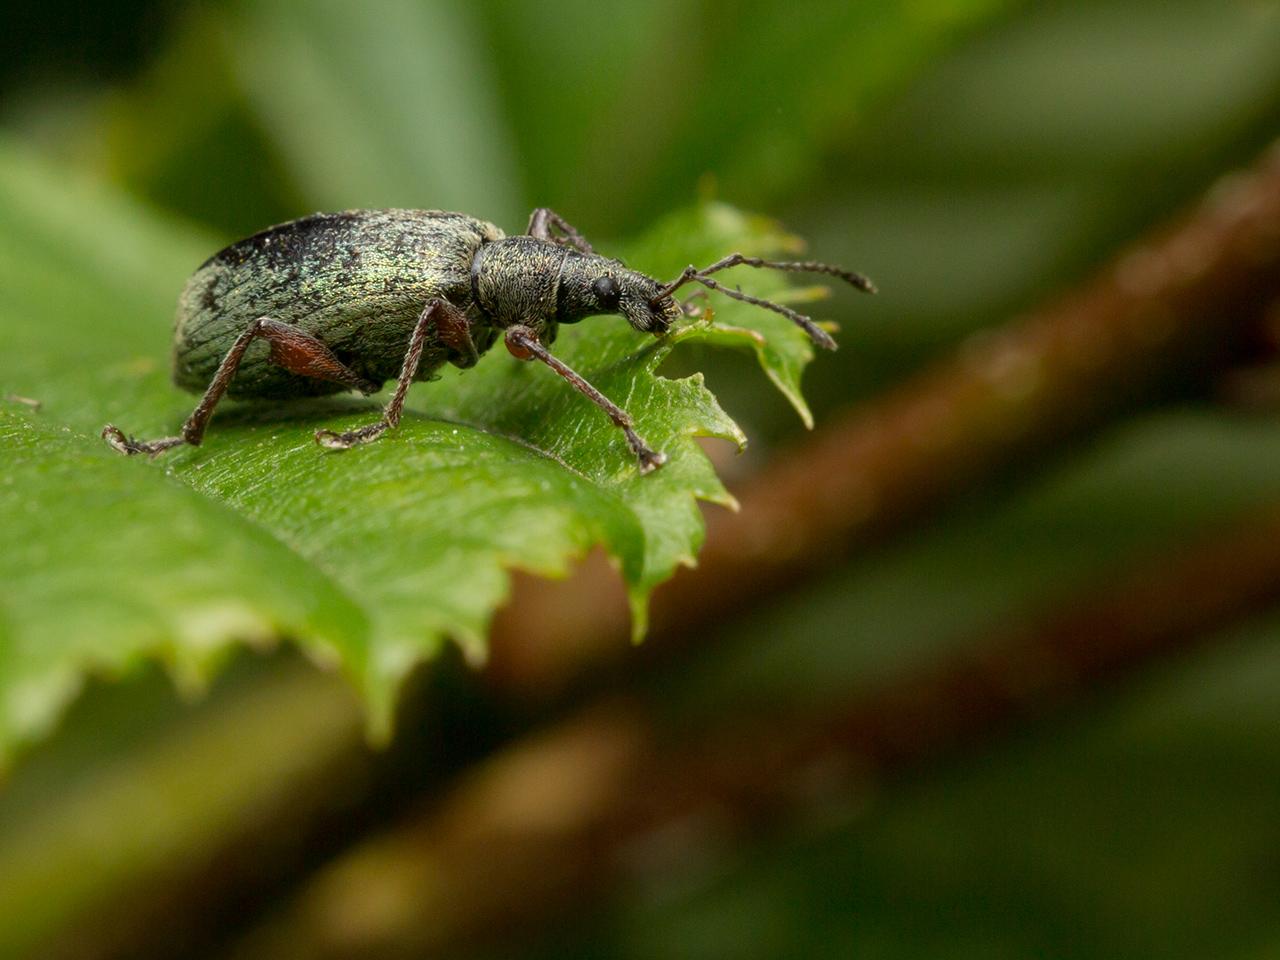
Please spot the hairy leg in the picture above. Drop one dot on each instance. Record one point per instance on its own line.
(544, 218)
(524, 344)
(291, 348)
(439, 315)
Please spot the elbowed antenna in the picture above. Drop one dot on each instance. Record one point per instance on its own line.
(692, 274)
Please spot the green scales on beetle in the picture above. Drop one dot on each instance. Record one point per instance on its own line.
(350, 301)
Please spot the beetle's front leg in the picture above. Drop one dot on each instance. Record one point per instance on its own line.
(447, 320)
(524, 344)
(544, 218)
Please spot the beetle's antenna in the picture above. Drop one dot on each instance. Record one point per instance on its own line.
(692, 274)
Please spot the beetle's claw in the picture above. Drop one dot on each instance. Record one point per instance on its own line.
(117, 441)
(651, 460)
(331, 440)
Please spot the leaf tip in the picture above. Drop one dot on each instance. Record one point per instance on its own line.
(638, 598)
(474, 647)
(379, 722)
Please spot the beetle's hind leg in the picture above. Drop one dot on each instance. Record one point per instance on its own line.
(291, 348)
(452, 328)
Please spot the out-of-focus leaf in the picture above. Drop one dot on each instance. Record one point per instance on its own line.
(620, 107)
(182, 136)
(385, 107)
(109, 836)
(380, 552)
(1026, 157)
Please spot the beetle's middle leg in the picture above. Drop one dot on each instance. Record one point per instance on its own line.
(291, 348)
(544, 218)
(452, 328)
(524, 344)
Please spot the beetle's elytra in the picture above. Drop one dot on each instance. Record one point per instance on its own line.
(350, 301)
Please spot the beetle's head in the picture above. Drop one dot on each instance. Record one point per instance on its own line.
(592, 285)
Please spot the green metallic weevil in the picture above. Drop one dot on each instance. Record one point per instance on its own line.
(348, 301)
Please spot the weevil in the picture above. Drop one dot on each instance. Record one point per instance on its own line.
(336, 302)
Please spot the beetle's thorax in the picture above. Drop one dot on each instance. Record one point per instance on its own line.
(516, 279)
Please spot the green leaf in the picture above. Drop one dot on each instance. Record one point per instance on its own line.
(373, 556)
(104, 564)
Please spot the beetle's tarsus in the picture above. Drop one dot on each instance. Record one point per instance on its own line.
(332, 440)
(650, 460)
(118, 442)
(131, 446)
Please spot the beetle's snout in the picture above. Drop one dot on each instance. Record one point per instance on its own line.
(650, 313)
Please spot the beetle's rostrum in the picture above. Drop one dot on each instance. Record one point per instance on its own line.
(350, 301)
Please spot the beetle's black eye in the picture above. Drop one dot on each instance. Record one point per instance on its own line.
(607, 293)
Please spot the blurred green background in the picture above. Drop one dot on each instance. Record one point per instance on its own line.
(974, 158)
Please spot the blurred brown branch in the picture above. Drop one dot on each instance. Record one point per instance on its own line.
(553, 821)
